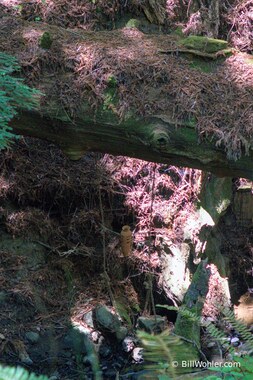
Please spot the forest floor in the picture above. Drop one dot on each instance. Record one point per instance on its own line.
(60, 232)
(55, 216)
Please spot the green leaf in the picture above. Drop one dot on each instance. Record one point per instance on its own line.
(9, 373)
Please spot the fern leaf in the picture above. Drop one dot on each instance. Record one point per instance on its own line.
(14, 94)
(161, 350)
(9, 373)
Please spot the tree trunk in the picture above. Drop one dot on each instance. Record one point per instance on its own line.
(204, 18)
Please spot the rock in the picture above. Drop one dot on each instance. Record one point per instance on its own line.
(25, 358)
(74, 340)
(32, 337)
(133, 23)
(235, 341)
(128, 344)
(105, 350)
(137, 354)
(121, 333)
(155, 324)
(211, 344)
(55, 376)
(108, 323)
(94, 336)
(87, 318)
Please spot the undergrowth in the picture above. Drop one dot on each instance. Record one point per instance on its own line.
(8, 373)
(162, 351)
(14, 94)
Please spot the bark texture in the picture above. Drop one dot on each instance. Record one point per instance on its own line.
(148, 139)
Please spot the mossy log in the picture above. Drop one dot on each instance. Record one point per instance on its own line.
(147, 139)
(73, 69)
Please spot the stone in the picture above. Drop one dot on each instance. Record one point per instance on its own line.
(25, 358)
(121, 333)
(235, 341)
(128, 344)
(137, 354)
(211, 344)
(75, 340)
(152, 324)
(133, 23)
(32, 337)
(55, 376)
(108, 323)
(94, 336)
(87, 318)
(105, 350)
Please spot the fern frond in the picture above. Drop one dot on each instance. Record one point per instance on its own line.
(9, 373)
(14, 94)
(239, 326)
(186, 313)
(161, 350)
(215, 333)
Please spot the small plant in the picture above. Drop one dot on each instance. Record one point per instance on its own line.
(14, 95)
(9, 373)
(241, 370)
(163, 352)
(165, 349)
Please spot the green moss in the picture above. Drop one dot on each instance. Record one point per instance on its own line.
(133, 23)
(203, 44)
(45, 41)
(205, 66)
(111, 98)
(112, 81)
(178, 32)
(194, 301)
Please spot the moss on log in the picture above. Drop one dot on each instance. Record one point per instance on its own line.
(194, 301)
(149, 139)
(113, 92)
